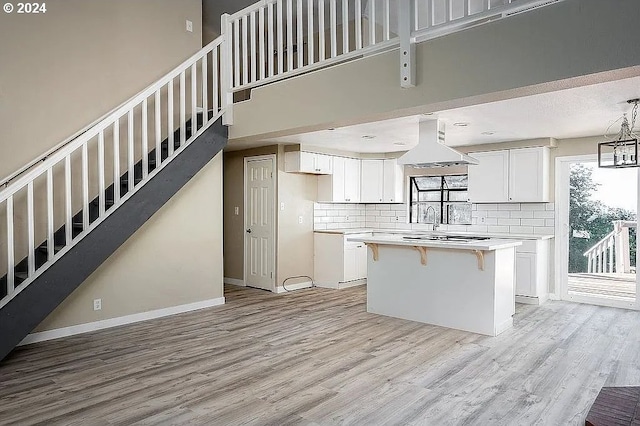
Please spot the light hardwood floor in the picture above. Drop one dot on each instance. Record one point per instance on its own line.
(317, 357)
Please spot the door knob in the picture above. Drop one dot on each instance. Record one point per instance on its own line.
(248, 231)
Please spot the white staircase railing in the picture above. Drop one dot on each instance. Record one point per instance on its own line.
(48, 195)
(263, 43)
(612, 253)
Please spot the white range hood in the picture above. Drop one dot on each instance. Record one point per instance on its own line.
(431, 150)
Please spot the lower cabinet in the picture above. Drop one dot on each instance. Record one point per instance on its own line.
(532, 272)
(339, 263)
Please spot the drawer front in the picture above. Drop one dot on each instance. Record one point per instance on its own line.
(528, 246)
(355, 244)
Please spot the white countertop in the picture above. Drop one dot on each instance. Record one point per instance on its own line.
(425, 232)
(398, 240)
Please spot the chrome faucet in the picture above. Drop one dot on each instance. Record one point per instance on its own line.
(426, 214)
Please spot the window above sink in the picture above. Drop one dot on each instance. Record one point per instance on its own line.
(439, 200)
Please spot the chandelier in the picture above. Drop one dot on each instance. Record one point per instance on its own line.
(621, 150)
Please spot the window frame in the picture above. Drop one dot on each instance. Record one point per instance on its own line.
(444, 195)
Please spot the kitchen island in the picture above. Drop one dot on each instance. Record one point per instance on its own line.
(455, 282)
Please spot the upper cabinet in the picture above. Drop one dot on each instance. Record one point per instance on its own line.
(515, 175)
(489, 179)
(381, 181)
(529, 175)
(343, 185)
(307, 162)
(372, 181)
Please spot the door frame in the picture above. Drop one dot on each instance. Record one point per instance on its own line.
(274, 163)
(561, 242)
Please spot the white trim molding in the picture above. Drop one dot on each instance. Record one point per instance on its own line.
(118, 321)
(342, 285)
(291, 287)
(234, 281)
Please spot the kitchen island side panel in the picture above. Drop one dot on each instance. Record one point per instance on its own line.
(505, 270)
(449, 290)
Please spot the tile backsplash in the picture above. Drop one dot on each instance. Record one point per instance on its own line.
(513, 218)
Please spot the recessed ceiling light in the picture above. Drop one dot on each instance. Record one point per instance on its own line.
(427, 114)
(331, 128)
(461, 124)
(399, 143)
(368, 137)
(488, 133)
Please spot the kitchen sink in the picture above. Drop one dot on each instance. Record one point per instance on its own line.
(454, 238)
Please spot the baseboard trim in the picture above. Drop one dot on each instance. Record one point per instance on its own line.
(290, 287)
(353, 283)
(531, 300)
(115, 322)
(234, 281)
(342, 285)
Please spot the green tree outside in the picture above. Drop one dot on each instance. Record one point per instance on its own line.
(586, 214)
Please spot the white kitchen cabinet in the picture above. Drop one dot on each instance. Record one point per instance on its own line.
(489, 180)
(372, 181)
(532, 272)
(307, 162)
(339, 263)
(529, 175)
(381, 181)
(352, 180)
(343, 185)
(515, 175)
(393, 186)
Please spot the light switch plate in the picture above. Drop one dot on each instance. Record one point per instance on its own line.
(300, 219)
(236, 210)
(189, 26)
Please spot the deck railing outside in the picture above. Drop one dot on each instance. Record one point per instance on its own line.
(612, 253)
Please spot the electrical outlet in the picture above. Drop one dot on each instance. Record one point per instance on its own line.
(97, 304)
(482, 219)
(189, 26)
(236, 210)
(299, 219)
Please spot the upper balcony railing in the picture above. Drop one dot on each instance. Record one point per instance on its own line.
(434, 18)
(276, 39)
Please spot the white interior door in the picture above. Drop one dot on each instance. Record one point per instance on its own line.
(259, 245)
